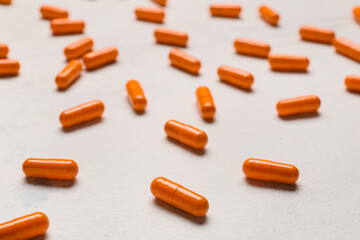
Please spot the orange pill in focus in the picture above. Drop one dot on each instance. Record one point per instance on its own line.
(288, 63)
(269, 15)
(356, 12)
(298, 105)
(315, 34)
(347, 48)
(66, 26)
(99, 58)
(136, 95)
(184, 61)
(69, 74)
(251, 47)
(171, 37)
(52, 12)
(236, 77)
(205, 102)
(9, 67)
(152, 14)
(225, 10)
(4, 50)
(78, 48)
(352, 83)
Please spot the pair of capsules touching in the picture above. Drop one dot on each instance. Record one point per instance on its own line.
(150, 14)
(184, 61)
(52, 12)
(298, 105)
(8, 67)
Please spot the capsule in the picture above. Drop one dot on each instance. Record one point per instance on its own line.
(99, 58)
(82, 113)
(64, 169)
(298, 105)
(152, 14)
(315, 34)
(5, 1)
(347, 48)
(9, 67)
(270, 171)
(186, 134)
(184, 61)
(352, 83)
(171, 37)
(4, 50)
(269, 15)
(288, 63)
(52, 12)
(66, 26)
(205, 102)
(69, 74)
(225, 10)
(251, 47)
(180, 197)
(78, 48)
(235, 76)
(160, 2)
(356, 12)
(136, 95)
(25, 227)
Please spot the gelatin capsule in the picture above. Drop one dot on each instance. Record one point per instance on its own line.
(352, 83)
(235, 76)
(152, 14)
(99, 58)
(82, 113)
(225, 10)
(356, 12)
(160, 2)
(186, 134)
(269, 15)
(66, 26)
(347, 48)
(69, 74)
(9, 67)
(288, 63)
(184, 61)
(136, 95)
(5, 1)
(298, 105)
(78, 48)
(180, 197)
(52, 12)
(4, 50)
(315, 34)
(64, 169)
(205, 102)
(251, 47)
(270, 171)
(25, 227)
(171, 37)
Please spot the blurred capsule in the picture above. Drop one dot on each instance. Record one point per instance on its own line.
(99, 58)
(269, 15)
(184, 61)
(4, 50)
(347, 48)
(251, 47)
(66, 26)
(315, 34)
(52, 12)
(225, 10)
(78, 48)
(9, 67)
(152, 14)
(170, 37)
(288, 63)
(352, 83)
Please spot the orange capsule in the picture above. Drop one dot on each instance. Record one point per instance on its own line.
(5, 1)
(9, 67)
(66, 26)
(64, 169)
(171, 37)
(269, 15)
(315, 34)
(83, 113)
(347, 48)
(205, 102)
(69, 74)
(270, 171)
(352, 83)
(52, 12)
(4, 50)
(99, 58)
(160, 2)
(180, 197)
(356, 12)
(288, 63)
(251, 47)
(152, 14)
(298, 105)
(184, 61)
(136, 95)
(25, 227)
(235, 76)
(78, 48)
(225, 10)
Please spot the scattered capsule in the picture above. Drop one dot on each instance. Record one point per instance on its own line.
(347, 48)
(69, 74)
(4, 50)
(52, 12)
(5, 1)
(25, 227)
(352, 83)
(99, 58)
(235, 77)
(298, 105)
(152, 14)
(66, 26)
(251, 47)
(205, 102)
(180, 197)
(184, 61)
(288, 63)
(171, 37)
(225, 10)
(356, 12)
(270, 171)
(9, 67)
(160, 2)
(136, 95)
(82, 113)
(78, 48)
(269, 15)
(315, 34)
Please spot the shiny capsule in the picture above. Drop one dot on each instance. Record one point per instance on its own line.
(82, 113)
(184, 61)
(186, 134)
(315, 34)
(160, 2)
(270, 171)
(78, 48)
(251, 47)
(5, 1)
(25, 227)
(356, 12)
(205, 102)
(352, 83)
(136, 95)
(66, 26)
(52, 12)
(347, 48)
(4, 50)
(225, 10)
(298, 105)
(235, 77)
(288, 63)
(269, 15)
(152, 14)
(99, 58)
(9, 67)
(180, 197)
(171, 37)
(69, 74)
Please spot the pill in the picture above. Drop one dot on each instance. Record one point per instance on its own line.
(356, 12)
(180, 197)
(52, 12)
(66, 26)
(251, 47)
(205, 102)
(78, 48)
(186, 134)
(5, 1)
(235, 76)
(225, 10)
(9, 67)
(171, 37)
(269, 15)
(82, 113)
(64, 169)
(160, 2)
(347, 48)
(288, 63)
(99, 58)
(298, 105)
(315, 34)
(136, 95)
(270, 171)
(25, 227)
(152, 14)
(184, 61)
(352, 83)
(4, 50)
(69, 74)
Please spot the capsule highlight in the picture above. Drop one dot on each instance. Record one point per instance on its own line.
(251, 47)
(69, 74)
(78, 48)
(171, 37)
(347, 48)
(298, 105)
(269, 15)
(66, 26)
(152, 14)
(52, 12)
(184, 61)
(315, 34)
(236, 77)
(288, 63)
(352, 83)
(136, 95)
(9, 67)
(225, 10)
(4, 50)
(99, 58)
(205, 102)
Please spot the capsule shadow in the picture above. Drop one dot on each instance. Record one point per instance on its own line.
(41, 237)
(170, 45)
(82, 125)
(272, 185)
(7, 77)
(347, 57)
(101, 67)
(199, 152)
(300, 116)
(353, 92)
(246, 90)
(290, 72)
(209, 120)
(251, 56)
(50, 182)
(184, 71)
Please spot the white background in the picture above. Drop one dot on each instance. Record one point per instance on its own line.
(120, 155)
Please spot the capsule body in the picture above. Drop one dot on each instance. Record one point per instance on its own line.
(298, 105)
(5, 1)
(205, 102)
(25, 227)
(180, 197)
(160, 2)
(136, 95)
(356, 12)
(153, 14)
(251, 47)
(9, 67)
(66, 26)
(186, 134)
(315, 34)
(235, 76)
(352, 83)
(52, 12)
(269, 15)
(347, 48)
(225, 10)
(270, 171)
(99, 58)
(82, 113)
(171, 37)
(184, 61)
(69, 74)
(4, 50)
(78, 48)
(288, 63)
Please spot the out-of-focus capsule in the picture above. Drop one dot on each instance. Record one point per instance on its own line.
(180, 197)
(288, 63)
(78, 48)
(25, 227)
(66, 26)
(152, 14)
(64, 169)
(69, 74)
(9, 67)
(356, 12)
(315, 34)
(171, 37)
(270, 171)
(347, 48)
(82, 113)
(160, 2)
(184, 61)
(235, 76)
(136, 95)
(225, 10)
(269, 15)
(205, 102)
(99, 58)
(4, 50)
(52, 12)
(352, 83)
(298, 105)
(186, 134)
(5, 1)
(251, 47)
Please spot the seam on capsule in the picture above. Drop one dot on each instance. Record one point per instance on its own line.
(172, 197)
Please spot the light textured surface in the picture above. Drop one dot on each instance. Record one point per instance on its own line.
(122, 154)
